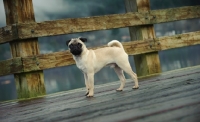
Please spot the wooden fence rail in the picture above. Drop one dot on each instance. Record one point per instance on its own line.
(22, 32)
(74, 25)
(64, 58)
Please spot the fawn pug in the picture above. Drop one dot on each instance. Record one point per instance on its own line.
(91, 61)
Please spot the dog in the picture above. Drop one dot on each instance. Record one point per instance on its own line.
(91, 61)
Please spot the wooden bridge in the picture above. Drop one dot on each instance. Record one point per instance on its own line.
(170, 96)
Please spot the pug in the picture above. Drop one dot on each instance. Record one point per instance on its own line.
(91, 61)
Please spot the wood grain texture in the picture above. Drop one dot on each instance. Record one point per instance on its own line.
(73, 25)
(180, 40)
(45, 61)
(8, 33)
(27, 84)
(66, 26)
(11, 66)
(168, 97)
(146, 63)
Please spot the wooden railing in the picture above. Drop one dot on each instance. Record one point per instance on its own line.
(22, 31)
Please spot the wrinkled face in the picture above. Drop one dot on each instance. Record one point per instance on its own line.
(75, 45)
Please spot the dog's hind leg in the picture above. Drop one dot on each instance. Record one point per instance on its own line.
(121, 77)
(124, 65)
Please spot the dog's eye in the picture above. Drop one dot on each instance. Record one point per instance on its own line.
(79, 44)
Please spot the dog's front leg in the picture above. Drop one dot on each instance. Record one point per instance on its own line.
(86, 84)
(91, 84)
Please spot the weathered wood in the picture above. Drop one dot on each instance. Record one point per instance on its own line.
(181, 40)
(11, 66)
(173, 14)
(8, 33)
(64, 58)
(146, 63)
(45, 61)
(27, 84)
(170, 96)
(66, 26)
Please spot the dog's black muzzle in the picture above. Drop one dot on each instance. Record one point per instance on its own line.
(75, 49)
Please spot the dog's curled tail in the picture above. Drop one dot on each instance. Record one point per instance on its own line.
(115, 43)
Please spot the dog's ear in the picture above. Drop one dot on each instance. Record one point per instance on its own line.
(83, 39)
(67, 42)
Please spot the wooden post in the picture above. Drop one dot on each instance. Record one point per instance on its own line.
(27, 84)
(145, 63)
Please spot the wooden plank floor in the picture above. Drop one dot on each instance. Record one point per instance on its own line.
(171, 96)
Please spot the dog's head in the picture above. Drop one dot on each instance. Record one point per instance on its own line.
(76, 45)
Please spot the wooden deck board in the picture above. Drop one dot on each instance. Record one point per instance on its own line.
(171, 96)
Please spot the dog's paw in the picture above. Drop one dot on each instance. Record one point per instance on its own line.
(135, 87)
(119, 90)
(89, 95)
